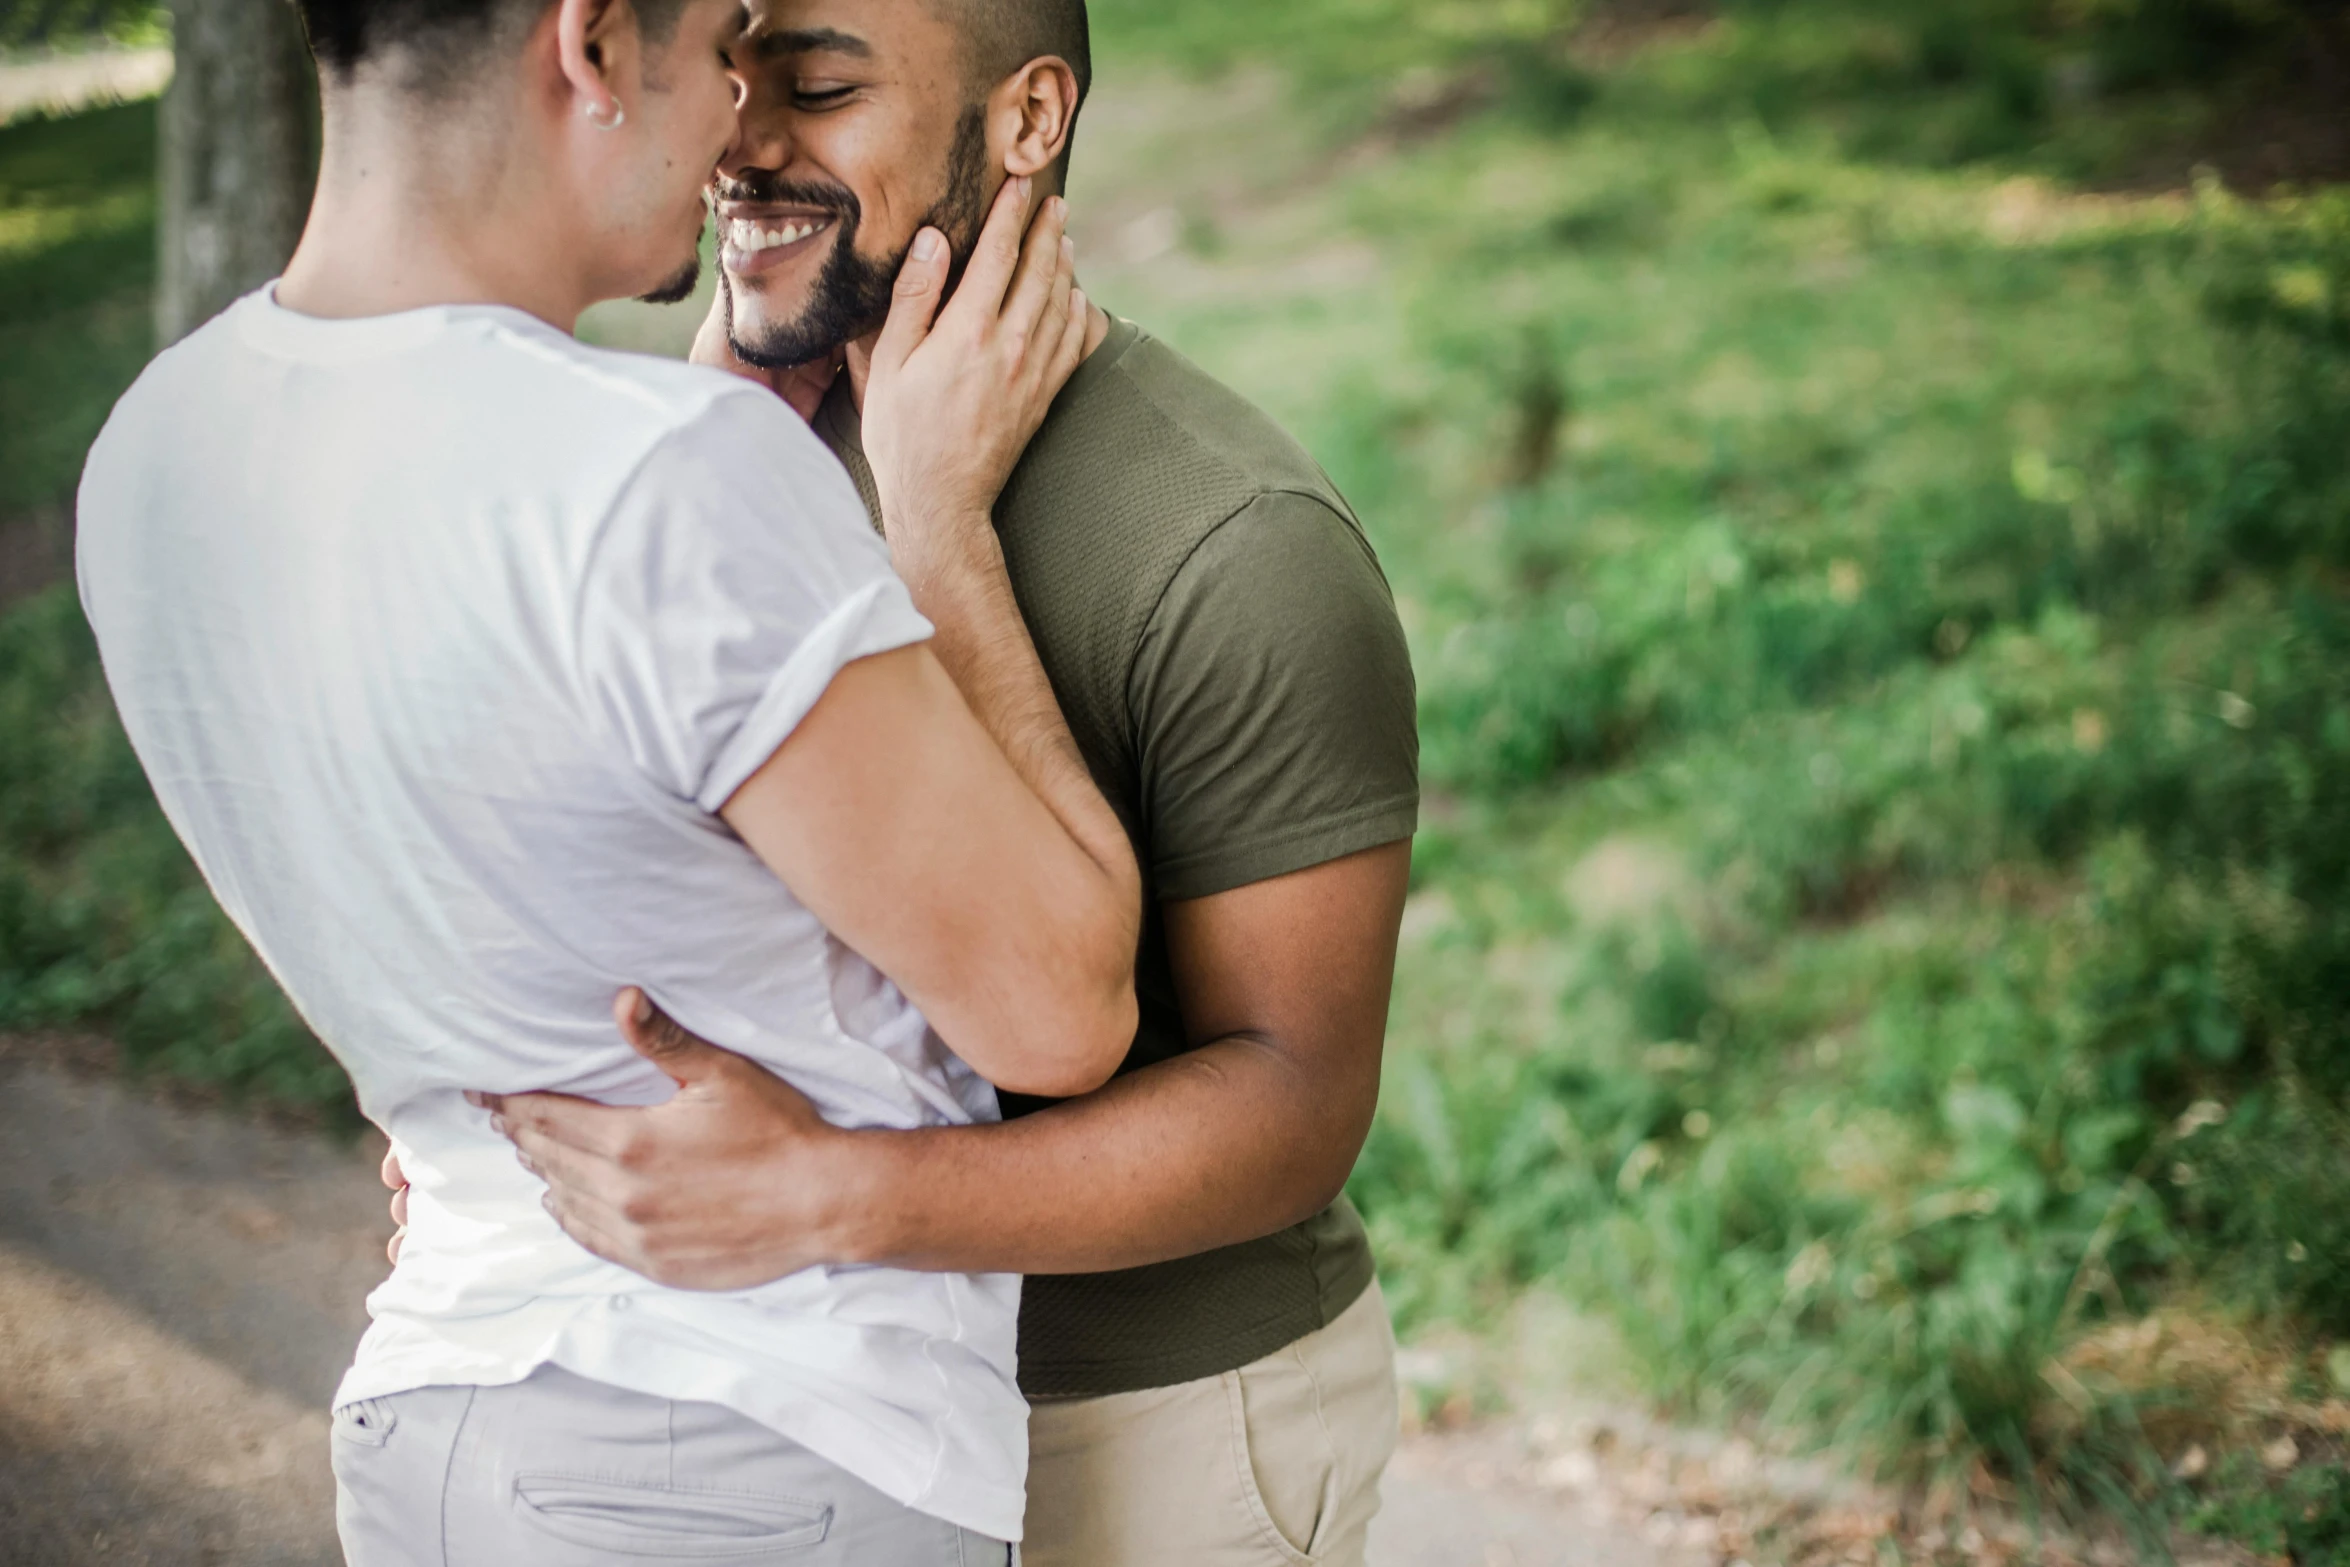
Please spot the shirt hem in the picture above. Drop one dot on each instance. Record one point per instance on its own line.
(1070, 1379)
(1315, 843)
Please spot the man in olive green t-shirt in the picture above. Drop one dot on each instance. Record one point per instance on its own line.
(1201, 1337)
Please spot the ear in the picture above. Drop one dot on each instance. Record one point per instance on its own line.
(1038, 105)
(595, 44)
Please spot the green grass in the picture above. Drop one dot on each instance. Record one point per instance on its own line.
(1883, 616)
(103, 920)
(1882, 934)
(77, 262)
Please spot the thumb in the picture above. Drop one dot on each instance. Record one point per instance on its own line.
(651, 1033)
(914, 304)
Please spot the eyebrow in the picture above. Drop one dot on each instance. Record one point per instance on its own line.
(811, 40)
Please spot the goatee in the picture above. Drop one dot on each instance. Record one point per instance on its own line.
(852, 292)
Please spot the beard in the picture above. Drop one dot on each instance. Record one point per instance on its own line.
(853, 291)
(680, 286)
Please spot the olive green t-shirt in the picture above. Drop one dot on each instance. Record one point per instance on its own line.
(1227, 652)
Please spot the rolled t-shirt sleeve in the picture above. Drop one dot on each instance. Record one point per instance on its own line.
(736, 574)
(1274, 701)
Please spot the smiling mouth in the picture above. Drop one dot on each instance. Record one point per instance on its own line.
(753, 244)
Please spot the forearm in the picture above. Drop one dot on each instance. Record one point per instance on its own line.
(957, 578)
(1217, 1146)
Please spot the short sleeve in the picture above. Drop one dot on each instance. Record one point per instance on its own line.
(733, 577)
(1274, 701)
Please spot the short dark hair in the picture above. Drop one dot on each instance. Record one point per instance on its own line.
(1004, 35)
(437, 38)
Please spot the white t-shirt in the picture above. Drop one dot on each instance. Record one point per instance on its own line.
(442, 638)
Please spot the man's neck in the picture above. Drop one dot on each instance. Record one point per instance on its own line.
(860, 352)
(410, 215)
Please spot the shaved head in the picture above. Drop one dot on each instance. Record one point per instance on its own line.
(437, 43)
(1003, 35)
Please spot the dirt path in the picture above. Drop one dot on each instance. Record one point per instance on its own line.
(62, 83)
(180, 1288)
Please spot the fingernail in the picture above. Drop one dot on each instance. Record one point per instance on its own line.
(498, 1124)
(473, 1098)
(1027, 184)
(644, 1003)
(926, 245)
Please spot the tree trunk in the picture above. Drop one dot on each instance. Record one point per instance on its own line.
(237, 155)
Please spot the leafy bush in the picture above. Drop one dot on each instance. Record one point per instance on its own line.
(1975, 630)
(103, 921)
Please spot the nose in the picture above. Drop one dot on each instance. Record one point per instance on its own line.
(762, 124)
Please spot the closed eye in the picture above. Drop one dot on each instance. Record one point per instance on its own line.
(821, 96)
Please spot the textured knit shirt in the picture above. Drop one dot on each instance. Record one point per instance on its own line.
(1221, 639)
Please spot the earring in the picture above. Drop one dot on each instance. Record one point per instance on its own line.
(619, 116)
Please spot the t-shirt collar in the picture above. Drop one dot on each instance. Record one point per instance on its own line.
(270, 327)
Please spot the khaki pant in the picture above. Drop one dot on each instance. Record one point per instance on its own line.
(1274, 1465)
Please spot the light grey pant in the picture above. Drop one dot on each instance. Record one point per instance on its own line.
(559, 1471)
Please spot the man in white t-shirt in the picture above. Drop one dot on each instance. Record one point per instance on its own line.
(483, 672)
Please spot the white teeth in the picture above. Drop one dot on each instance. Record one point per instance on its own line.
(750, 238)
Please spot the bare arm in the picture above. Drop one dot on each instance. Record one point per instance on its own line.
(938, 496)
(1285, 984)
(895, 818)
(737, 1181)
(932, 809)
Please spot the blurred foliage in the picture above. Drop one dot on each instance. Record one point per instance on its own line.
(77, 259)
(103, 920)
(1883, 614)
(29, 24)
(1338, 42)
(1882, 933)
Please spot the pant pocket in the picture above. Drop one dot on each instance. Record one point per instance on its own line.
(1286, 1466)
(638, 1519)
(367, 1423)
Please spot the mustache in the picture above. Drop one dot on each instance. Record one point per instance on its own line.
(759, 187)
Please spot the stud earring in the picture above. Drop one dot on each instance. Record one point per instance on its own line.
(619, 116)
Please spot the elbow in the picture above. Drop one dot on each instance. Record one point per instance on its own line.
(1113, 1038)
(1322, 1178)
(1093, 1042)
(1322, 1192)
(1082, 1033)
